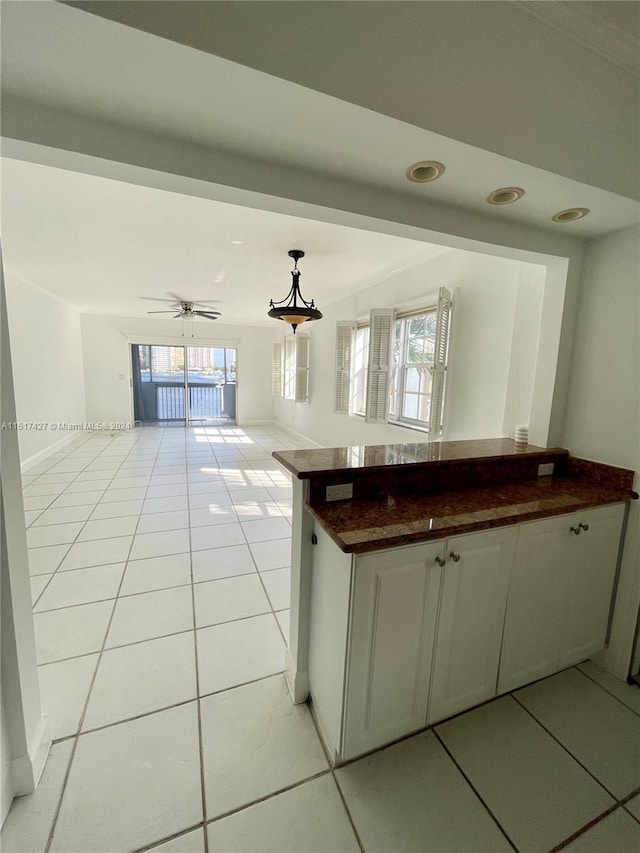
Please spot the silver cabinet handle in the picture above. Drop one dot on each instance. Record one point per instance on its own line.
(455, 557)
(575, 530)
(585, 527)
(440, 561)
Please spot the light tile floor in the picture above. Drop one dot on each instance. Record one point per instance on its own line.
(160, 576)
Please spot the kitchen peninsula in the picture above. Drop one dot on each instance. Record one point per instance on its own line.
(456, 571)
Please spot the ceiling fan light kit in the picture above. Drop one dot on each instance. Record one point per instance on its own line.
(187, 311)
(294, 309)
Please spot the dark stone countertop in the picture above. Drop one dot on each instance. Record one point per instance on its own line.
(306, 464)
(361, 526)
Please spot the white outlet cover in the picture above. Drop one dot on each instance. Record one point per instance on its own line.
(341, 492)
(545, 469)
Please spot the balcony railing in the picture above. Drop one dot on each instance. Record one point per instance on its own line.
(205, 401)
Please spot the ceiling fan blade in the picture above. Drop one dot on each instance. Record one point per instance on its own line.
(208, 315)
(168, 311)
(158, 299)
(179, 314)
(206, 304)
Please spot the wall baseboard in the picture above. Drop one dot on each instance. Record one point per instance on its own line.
(26, 770)
(298, 435)
(284, 427)
(47, 451)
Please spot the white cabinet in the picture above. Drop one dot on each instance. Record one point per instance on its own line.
(531, 634)
(472, 608)
(560, 593)
(589, 584)
(393, 620)
(407, 636)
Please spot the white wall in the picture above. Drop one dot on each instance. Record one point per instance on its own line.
(7, 792)
(603, 410)
(481, 372)
(524, 348)
(47, 364)
(108, 368)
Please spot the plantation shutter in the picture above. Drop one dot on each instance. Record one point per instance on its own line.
(342, 386)
(276, 371)
(379, 374)
(443, 322)
(302, 368)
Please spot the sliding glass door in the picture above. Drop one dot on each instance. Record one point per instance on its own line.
(179, 385)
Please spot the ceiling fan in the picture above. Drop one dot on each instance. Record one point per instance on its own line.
(189, 311)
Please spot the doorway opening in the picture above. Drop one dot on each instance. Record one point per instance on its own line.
(177, 385)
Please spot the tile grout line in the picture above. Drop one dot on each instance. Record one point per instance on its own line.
(81, 721)
(613, 695)
(617, 802)
(203, 797)
(173, 837)
(473, 788)
(584, 829)
(267, 797)
(598, 819)
(148, 592)
(332, 770)
(164, 707)
(564, 748)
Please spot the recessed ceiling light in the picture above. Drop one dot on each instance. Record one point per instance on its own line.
(505, 195)
(571, 214)
(424, 171)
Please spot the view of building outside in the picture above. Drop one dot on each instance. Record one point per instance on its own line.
(205, 365)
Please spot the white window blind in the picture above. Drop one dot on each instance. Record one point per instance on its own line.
(342, 380)
(443, 323)
(276, 370)
(379, 373)
(302, 368)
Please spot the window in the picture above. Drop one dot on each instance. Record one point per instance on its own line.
(290, 368)
(393, 368)
(412, 370)
(289, 372)
(359, 370)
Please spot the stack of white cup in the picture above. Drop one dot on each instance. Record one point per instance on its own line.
(522, 435)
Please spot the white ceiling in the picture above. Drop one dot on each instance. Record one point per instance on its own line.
(551, 84)
(103, 245)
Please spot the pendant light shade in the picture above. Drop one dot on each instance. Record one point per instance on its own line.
(293, 309)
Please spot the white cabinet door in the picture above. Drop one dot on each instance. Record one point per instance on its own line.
(536, 601)
(589, 583)
(472, 610)
(393, 619)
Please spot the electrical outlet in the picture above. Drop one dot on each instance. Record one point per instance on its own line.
(545, 470)
(343, 492)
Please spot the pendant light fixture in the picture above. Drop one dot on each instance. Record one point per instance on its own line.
(293, 308)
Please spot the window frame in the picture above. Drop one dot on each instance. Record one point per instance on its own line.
(290, 368)
(399, 386)
(359, 326)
